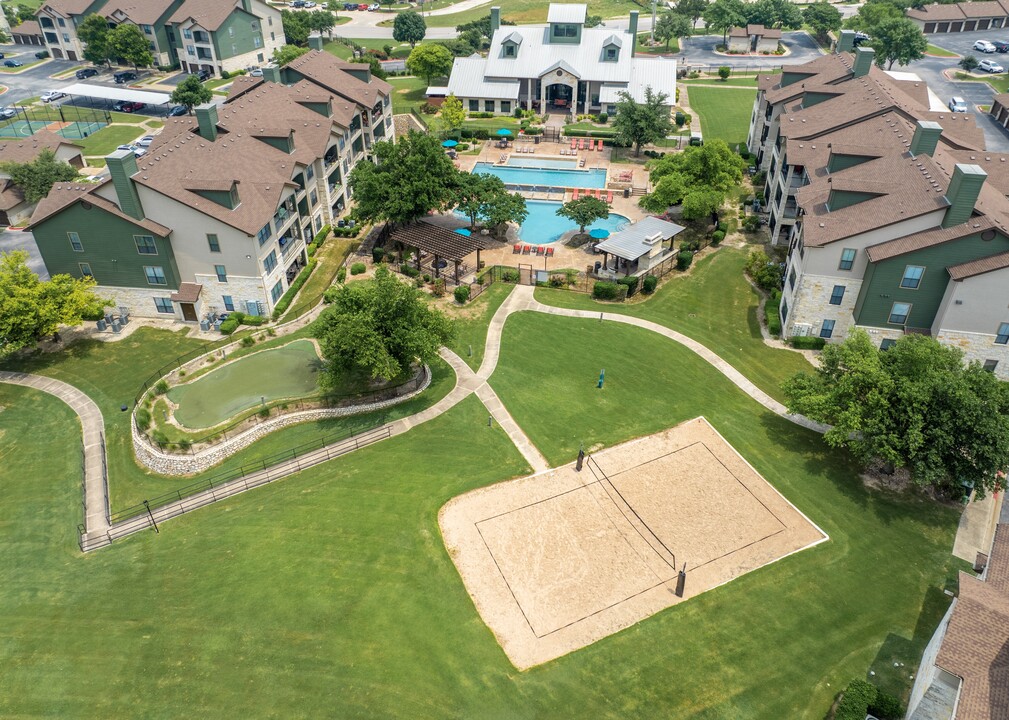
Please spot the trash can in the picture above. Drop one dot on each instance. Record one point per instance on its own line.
(116, 327)
(102, 325)
(627, 192)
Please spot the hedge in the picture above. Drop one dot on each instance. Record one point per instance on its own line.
(581, 132)
(461, 294)
(807, 342)
(885, 706)
(771, 313)
(357, 268)
(684, 259)
(649, 284)
(717, 237)
(855, 701)
(631, 281)
(409, 270)
(229, 326)
(302, 278)
(603, 290)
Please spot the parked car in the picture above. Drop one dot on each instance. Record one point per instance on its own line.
(124, 76)
(51, 95)
(298, 4)
(1001, 46)
(202, 74)
(363, 6)
(7, 113)
(990, 66)
(957, 104)
(350, 6)
(256, 72)
(145, 141)
(127, 107)
(13, 63)
(373, 7)
(309, 4)
(861, 37)
(1, 56)
(86, 73)
(177, 111)
(984, 46)
(137, 151)
(42, 54)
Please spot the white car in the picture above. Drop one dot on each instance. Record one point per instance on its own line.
(373, 7)
(957, 104)
(137, 151)
(256, 72)
(52, 95)
(7, 113)
(990, 66)
(984, 46)
(145, 141)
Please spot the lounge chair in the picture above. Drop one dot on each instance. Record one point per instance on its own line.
(540, 249)
(599, 194)
(599, 145)
(550, 251)
(581, 163)
(609, 197)
(574, 143)
(526, 249)
(516, 248)
(575, 196)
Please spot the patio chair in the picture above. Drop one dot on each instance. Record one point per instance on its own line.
(540, 249)
(516, 249)
(550, 251)
(581, 163)
(574, 143)
(526, 249)
(609, 197)
(575, 195)
(599, 145)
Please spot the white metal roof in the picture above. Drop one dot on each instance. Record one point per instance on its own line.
(111, 93)
(436, 91)
(633, 241)
(468, 81)
(657, 73)
(567, 13)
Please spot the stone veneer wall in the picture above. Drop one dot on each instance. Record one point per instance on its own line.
(979, 347)
(139, 301)
(172, 464)
(809, 304)
(239, 288)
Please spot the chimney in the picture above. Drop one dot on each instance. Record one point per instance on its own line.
(963, 191)
(926, 137)
(206, 117)
(632, 28)
(122, 166)
(495, 20)
(247, 6)
(315, 42)
(845, 42)
(863, 61)
(271, 74)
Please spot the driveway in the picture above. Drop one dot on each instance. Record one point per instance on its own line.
(35, 80)
(24, 240)
(700, 50)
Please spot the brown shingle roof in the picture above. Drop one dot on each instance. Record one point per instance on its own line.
(936, 11)
(65, 8)
(64, 195)
(928, 238)
(27, 149)
(28, 27)
(141, 12)
(187, 293)
(329, 71)
(997, 574)
(738, 32)
(209, 14)
(979, 266)
(982, 9)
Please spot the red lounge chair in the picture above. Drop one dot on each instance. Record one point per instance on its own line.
(550, 252)
(585, 144)
(516, 248)
(599, 194)
(540, 249)
(575, 195)
(526, 249)
(609, 197)
(574, 143)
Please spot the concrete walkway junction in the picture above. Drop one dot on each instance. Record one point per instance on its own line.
(99, 532)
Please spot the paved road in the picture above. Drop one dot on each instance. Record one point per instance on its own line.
(700, 50)
(35, 80)
(16, 240)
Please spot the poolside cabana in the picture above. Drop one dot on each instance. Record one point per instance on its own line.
(441, 244)
(638, 247)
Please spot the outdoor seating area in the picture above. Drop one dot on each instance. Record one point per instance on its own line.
(541, 250)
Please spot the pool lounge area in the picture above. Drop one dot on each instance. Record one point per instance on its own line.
(544, 177)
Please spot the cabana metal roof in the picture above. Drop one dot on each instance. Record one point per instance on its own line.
(636, 240)
(109, 93)
(446, 244)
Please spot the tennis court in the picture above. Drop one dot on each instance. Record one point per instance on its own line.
(75, 130)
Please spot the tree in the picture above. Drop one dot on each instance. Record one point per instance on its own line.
(671, 25)
(698, 178)
(638, 124)
(382, 328)
(822, 17)
(36, 178)
(286, 54)
(723, 15)
(584, 211)
(95, 32)
(297, 26)
(724, 71)
(691, 9)
(592, 21)
(774, 13)
(482, 25)
(430, 61)
(373, 64)
(968, 62)
(914, 406)
(485, 198)
(30, 309)
(473, 38)
(413, 177)
(409, 27)
(322, 21)
(191, 92)
(127, 42)
(870, 15)
(702, 203)
(898, 40)
(452, 112)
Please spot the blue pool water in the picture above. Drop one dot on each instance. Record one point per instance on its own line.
(539, 177)
(531, 162)
(543, 225)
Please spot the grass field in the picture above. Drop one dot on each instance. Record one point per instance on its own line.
(399, 50)
(472, 321)
(109, 138)
(939, 52)
(407, 93)
(330, 257)
(724, 113)
(533, 11)
(998, 83)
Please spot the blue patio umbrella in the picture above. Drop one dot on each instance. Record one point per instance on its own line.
(504, 132)
(450, 143)
(599, 233)
(464, 231)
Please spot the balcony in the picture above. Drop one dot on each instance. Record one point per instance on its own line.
(288, 243)
(332, 156)
(201, 37)
(791, 210)
(202, 54)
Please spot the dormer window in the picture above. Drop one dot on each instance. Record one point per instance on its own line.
(509, 50)
(565, 30)
(611, 53)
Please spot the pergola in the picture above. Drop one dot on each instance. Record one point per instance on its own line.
(444, 244)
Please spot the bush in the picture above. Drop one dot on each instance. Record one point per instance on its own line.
(427, 278)
(771, 316)
(603, 290)
(320, 237)
(438, 289)
(159, 437)
(285, 301)
(631, 281)
(310, 250)
(358, 268)
(807, 342)
(254, 320)
(558, 281)
(717, 237)
(185, 444)
(377, 255)
(723, 227)
(724, 71)
(481, 134)
(341, 275)
(751, 223)
(247, 341)
(887, 706)
(418, 282)
(649, 284)
(461, 294)
(409, 270)
(229, 326)
(263, 412)
(765, 273)
(461, 147)
(603, 118)
(684, 259)
(160, 387)
(143, 418)
(510, 276)
(856, 700)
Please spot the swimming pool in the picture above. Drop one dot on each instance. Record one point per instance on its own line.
(539, 177)
(543, 225)
(528, 162)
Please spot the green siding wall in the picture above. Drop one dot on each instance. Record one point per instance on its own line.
(814, 98)
(846, 198)
(106, 238)
(881, 287)
(843, 162)
(237, 31)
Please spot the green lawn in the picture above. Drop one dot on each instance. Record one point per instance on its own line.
(407, 93)
(109, 138)
(713, 305)
(534, 11)
(939, 52)
(998, 83)
(472, 320)
(330, 257)
(724, 113)
(399, 50)
(643, 48)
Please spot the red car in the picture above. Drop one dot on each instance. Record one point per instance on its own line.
(362, 6)
(133, 106)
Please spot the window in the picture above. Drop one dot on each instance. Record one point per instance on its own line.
(802, 250)
(837, 295)
(1002, 337)
(66, 37)
(62, 22)
(509, 50)
(310, 171)
(488, 105)
(912, 277)
(277, 291)
(784, 311)
(887, 344)
(565, 31)
(231, 32)
(259, 57)
(474, 105)
(827, 329)
(990, 365)
(155, 275)
(234, 49)
(86, 269)
(506, 106)
(269, 21)
(190, 49)
(257, 41)
(791, 279)
(188, 34)
(75, 242)
(313, 198)
(222, 273)
(899, 313)
(264, 234)
(145, 245)
(229, 304)
(213, 242)
(270, 262)
(847, 259)
(164, 305)
(611, 53)
(147, 29)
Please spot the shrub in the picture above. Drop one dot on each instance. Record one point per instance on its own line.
(377, 254)
(160, 387)
(631, 281)
(807, 342)
(418, 282)
(341, 275)
(159, 437)
(724, 71)
(310, 250)
(751, 223)
(263, 412)
(717, 237)
(887, 706)
(409, 270)
(185, 444)
(771, 316)
(247, 341)
(143, 418)
(229, 326)
(461, 294)
(683, 259)
(603, 290)
(723, 227)
(603, 118)
(357, 268)
(510, 276)
(254, 320)
(649, 284)
(461, 147)
(427, 278)
(320, 237)
(302, 278)
(856, 700)
(438, 289)
(481, 134)
(763, 271)
(557, 281)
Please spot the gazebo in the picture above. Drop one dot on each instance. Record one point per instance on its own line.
(639, 246)
(439, 242)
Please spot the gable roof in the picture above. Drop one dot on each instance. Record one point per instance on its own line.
(66, 8)
(63, 195)
(28, 27)
(567, 13)
(330, 72)
(140, 12)
(208, 14)
(928, 238)
(27, 149)
(980, 266)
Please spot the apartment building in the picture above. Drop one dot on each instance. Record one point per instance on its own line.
(151, 17)
(217, 214)
(58, 20)
(14, 208)
(894, 214)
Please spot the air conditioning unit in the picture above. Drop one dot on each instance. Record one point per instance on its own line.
(801, 329)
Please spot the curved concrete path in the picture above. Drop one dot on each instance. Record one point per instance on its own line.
(99, 533)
